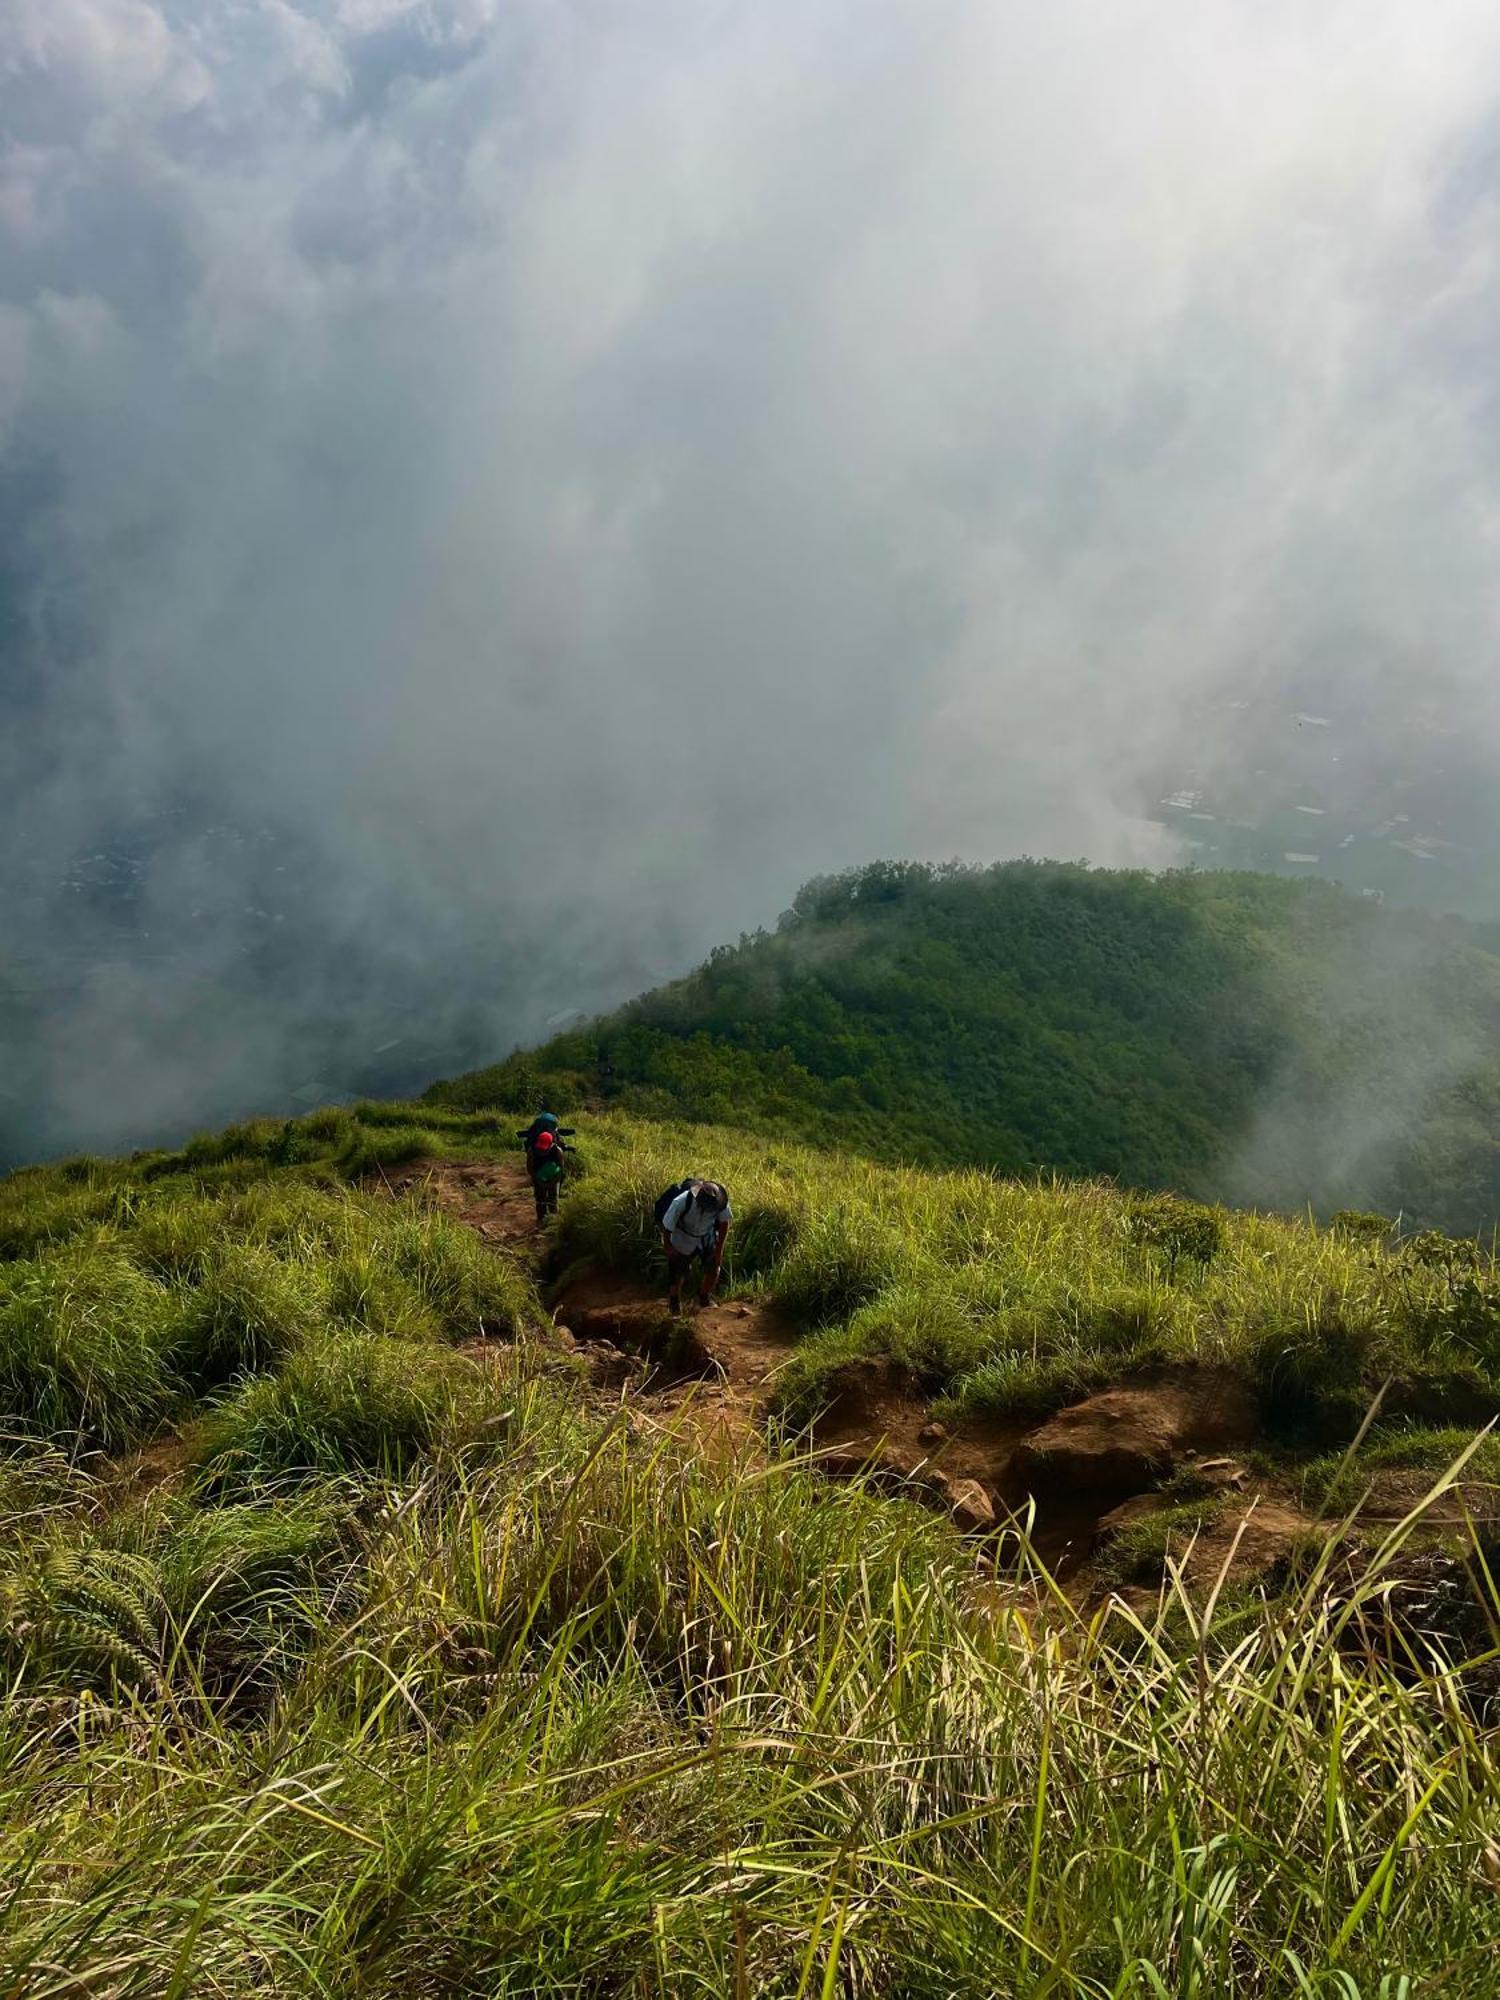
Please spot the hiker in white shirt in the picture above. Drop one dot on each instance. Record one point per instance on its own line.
(693, 1227)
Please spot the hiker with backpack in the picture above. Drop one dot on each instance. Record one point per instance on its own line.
(693, 1217)
(546, 1160)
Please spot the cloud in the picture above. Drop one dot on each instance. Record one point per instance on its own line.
(578, 471)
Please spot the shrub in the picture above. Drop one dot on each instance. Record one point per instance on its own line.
(1180, 1231)
(1362, 1225)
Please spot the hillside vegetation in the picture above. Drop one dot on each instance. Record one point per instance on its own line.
(1269, 1042)
(354, 1644)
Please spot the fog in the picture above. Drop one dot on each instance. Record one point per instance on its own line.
(495, 496)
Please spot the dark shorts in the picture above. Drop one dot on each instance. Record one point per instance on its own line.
(679, 1261)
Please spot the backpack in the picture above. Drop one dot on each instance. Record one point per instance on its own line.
(666, 1198)
(547, 1168)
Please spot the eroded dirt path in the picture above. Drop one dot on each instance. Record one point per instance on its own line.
(714, 1367)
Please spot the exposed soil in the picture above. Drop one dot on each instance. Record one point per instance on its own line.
(1125, 1440)
(1067, 1484)
(493, 1200)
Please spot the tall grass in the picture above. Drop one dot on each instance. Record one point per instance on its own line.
(110, 1328)
(415, 1674)
(340, 1405)
(608, 1718)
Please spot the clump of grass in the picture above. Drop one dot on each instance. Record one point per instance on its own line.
(340, 1405)
(1017, 1382)
(1337, 1479)
(468, 1288)
(1138, 1552)
(248, 1588)
(844, 1257)
(86, 1345)
(179, 1235)
(370, 1153)
(224, 1599)
(245, 1311)
(365, 1289)
(80, 1614)
(35, 1216)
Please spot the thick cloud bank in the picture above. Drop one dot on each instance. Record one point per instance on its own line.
(561, 474)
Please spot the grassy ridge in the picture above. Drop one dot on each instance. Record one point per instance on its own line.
(1266, 1041)
(429, 1677)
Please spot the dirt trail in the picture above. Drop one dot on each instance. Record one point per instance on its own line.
(1078, 1477)
(716, 1364)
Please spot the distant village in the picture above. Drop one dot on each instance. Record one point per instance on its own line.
(1399, 833)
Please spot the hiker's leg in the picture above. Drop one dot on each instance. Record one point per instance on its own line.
(677, 1264)
(708, 1278)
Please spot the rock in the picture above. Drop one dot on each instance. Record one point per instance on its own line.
(932, 1434)
(1127, 1439)
(970, 1506)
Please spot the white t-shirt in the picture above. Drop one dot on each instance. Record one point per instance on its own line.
(691, 1228)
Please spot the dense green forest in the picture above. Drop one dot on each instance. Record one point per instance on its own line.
(1272, 1042)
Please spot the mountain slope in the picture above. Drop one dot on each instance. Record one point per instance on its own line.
(1274, 1042)
(373, 1623)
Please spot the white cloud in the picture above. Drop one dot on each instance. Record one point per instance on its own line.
(816, 429)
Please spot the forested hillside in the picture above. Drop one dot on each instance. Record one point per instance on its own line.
(1273, 1042)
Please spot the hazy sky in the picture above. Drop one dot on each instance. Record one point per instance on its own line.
(585, 467)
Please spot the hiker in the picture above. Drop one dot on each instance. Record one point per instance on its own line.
(546, 1160)
(694, 1219)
